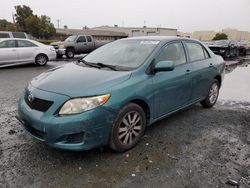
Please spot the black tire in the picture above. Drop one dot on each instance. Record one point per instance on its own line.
(121, 133)
(237, 53)
(59, 56)
(70, 53)
(210, 100)
(41, 60)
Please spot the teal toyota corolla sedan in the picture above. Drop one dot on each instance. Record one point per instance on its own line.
(111, 95)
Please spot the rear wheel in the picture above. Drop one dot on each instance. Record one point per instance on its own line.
(41, 60)
(70, 53)
(128, 128)
(212, 96)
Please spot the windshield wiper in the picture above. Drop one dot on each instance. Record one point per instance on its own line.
(89, 64)
(112, 67)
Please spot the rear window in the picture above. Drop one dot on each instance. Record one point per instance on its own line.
(4, 35)
(19, 35)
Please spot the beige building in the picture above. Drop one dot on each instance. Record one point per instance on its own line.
(204, 35)
(97, 34)
(183, 34)
(233, 34)
(140, 31)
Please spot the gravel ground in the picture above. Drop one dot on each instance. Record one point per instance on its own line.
(193, 148)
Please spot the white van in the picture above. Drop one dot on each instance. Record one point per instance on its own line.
(9, 34)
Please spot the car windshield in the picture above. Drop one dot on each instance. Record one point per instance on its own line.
(123, 53)
(70, 39)
(221, 42)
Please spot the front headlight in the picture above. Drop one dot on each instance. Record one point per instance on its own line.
(61, 46)
(78, 105)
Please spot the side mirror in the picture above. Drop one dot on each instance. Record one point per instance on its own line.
(164, 66)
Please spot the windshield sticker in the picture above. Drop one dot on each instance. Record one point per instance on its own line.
(150, 42)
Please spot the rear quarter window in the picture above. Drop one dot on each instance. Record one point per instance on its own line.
(89, 39)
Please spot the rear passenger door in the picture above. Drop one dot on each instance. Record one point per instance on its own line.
(8, 52)
(200, 69)
(91, 44)
(81, 44)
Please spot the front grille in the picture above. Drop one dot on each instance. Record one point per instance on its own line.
(38, 104)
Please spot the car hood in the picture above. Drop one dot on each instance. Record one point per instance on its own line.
(57, 43)
(74, 80)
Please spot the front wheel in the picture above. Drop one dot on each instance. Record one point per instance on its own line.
(128, 128)
(41, 60)
(70, 53)
(212, 96)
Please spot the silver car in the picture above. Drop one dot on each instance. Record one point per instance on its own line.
(23, 51)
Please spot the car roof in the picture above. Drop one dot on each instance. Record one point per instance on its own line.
(160, 38)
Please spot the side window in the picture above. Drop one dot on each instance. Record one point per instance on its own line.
(4, 35)
(81, 39)
(8, 44)
(173, 52)
(89, 39)
(23, 44)
(18, 35)
(195, 51)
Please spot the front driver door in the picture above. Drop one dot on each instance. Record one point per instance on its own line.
(172, 89)
(8, 52)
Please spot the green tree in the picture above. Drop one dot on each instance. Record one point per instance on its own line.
(37, 26)
(220, 36)
(22, 13)
(7, 26)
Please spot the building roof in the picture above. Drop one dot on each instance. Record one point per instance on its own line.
(90, 32)
(106, 26)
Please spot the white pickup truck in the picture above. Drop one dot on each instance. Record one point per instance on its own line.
(76, 44)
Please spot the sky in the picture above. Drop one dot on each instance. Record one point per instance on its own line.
(184, 15)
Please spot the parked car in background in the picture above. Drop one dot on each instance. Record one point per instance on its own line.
(208, 43)
(23, 51)
(9, 34)
(225, 48)
(76, 44)
(244, 48)
(113, 93)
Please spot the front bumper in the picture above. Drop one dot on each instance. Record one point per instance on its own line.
(73, 132)
(61, 51)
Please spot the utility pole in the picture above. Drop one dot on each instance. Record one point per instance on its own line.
(58, 23)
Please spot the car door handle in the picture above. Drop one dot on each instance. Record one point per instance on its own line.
(14, 50)
(85, 43)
